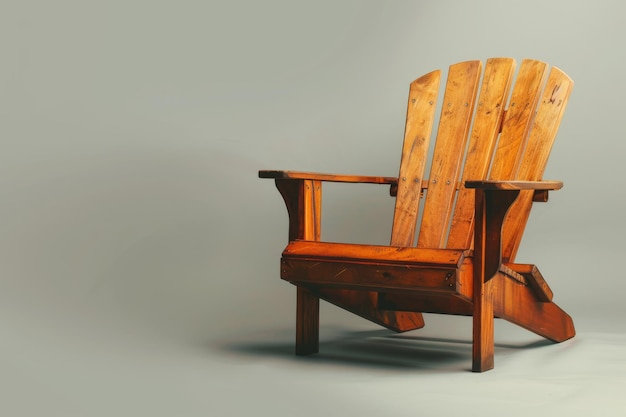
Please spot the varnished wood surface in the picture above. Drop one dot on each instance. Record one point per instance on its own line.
(454, 123)
(299, 175)
(515, 185)
(419, 121)
(546, 122)
(368, 276)
(518, 119)
(367, 305)
(534, 279)
(519, 305)
(486, 127)
(427, 303)
(466, 217)
(361, 252)
(307, 322)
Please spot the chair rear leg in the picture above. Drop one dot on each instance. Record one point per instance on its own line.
(519, 304)
(307, 322)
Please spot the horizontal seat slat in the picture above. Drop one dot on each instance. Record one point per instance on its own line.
(374, 253)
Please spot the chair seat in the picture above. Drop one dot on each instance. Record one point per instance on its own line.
(383, 268)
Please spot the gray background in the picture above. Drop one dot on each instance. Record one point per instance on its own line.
(139, 250)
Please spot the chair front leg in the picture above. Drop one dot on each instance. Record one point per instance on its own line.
(303, 199)
(491, 209)
(307, 322)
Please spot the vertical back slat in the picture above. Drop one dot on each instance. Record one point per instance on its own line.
(518, 119)
(486, 127)
(535, 157)
(419, 122)
(454, 124)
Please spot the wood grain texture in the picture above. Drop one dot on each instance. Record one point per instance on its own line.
(454, 124)
(369, 275)
(533, 279)
(535, 157)
(315, 176)
(303, 199)
(486, 171)
(518, 119)
(419, 122)
(307, 322)
(485, 129)
(391, 254)
(491, 209)
(482, 331)
(519, 305)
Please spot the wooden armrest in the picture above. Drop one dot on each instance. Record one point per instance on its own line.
(515, 185)
(297, 175)
(303, 199)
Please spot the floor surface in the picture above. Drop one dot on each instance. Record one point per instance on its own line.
(360, 370)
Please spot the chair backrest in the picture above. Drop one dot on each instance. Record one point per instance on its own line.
(486, 131)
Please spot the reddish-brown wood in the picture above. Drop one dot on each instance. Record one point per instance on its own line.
(427, 303)
(367, 305)
(515, 185)
(449, 258)
(307, 322)
(369, 276)
(315, 176)
(304, 205)
(533, 279)
(303, 201)
(482, 331)
(519, 305)
(301, 192)
(453, 251)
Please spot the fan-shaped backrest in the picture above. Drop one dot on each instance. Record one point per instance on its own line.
(483, 134)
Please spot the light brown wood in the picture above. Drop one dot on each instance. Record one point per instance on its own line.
(455, 234)
(454, 124)
(419, 121)
(545, 126)
(518, 119)
(486, 127)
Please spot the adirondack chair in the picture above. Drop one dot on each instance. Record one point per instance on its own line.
(486, 172)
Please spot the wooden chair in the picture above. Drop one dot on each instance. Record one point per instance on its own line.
(490, 153)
